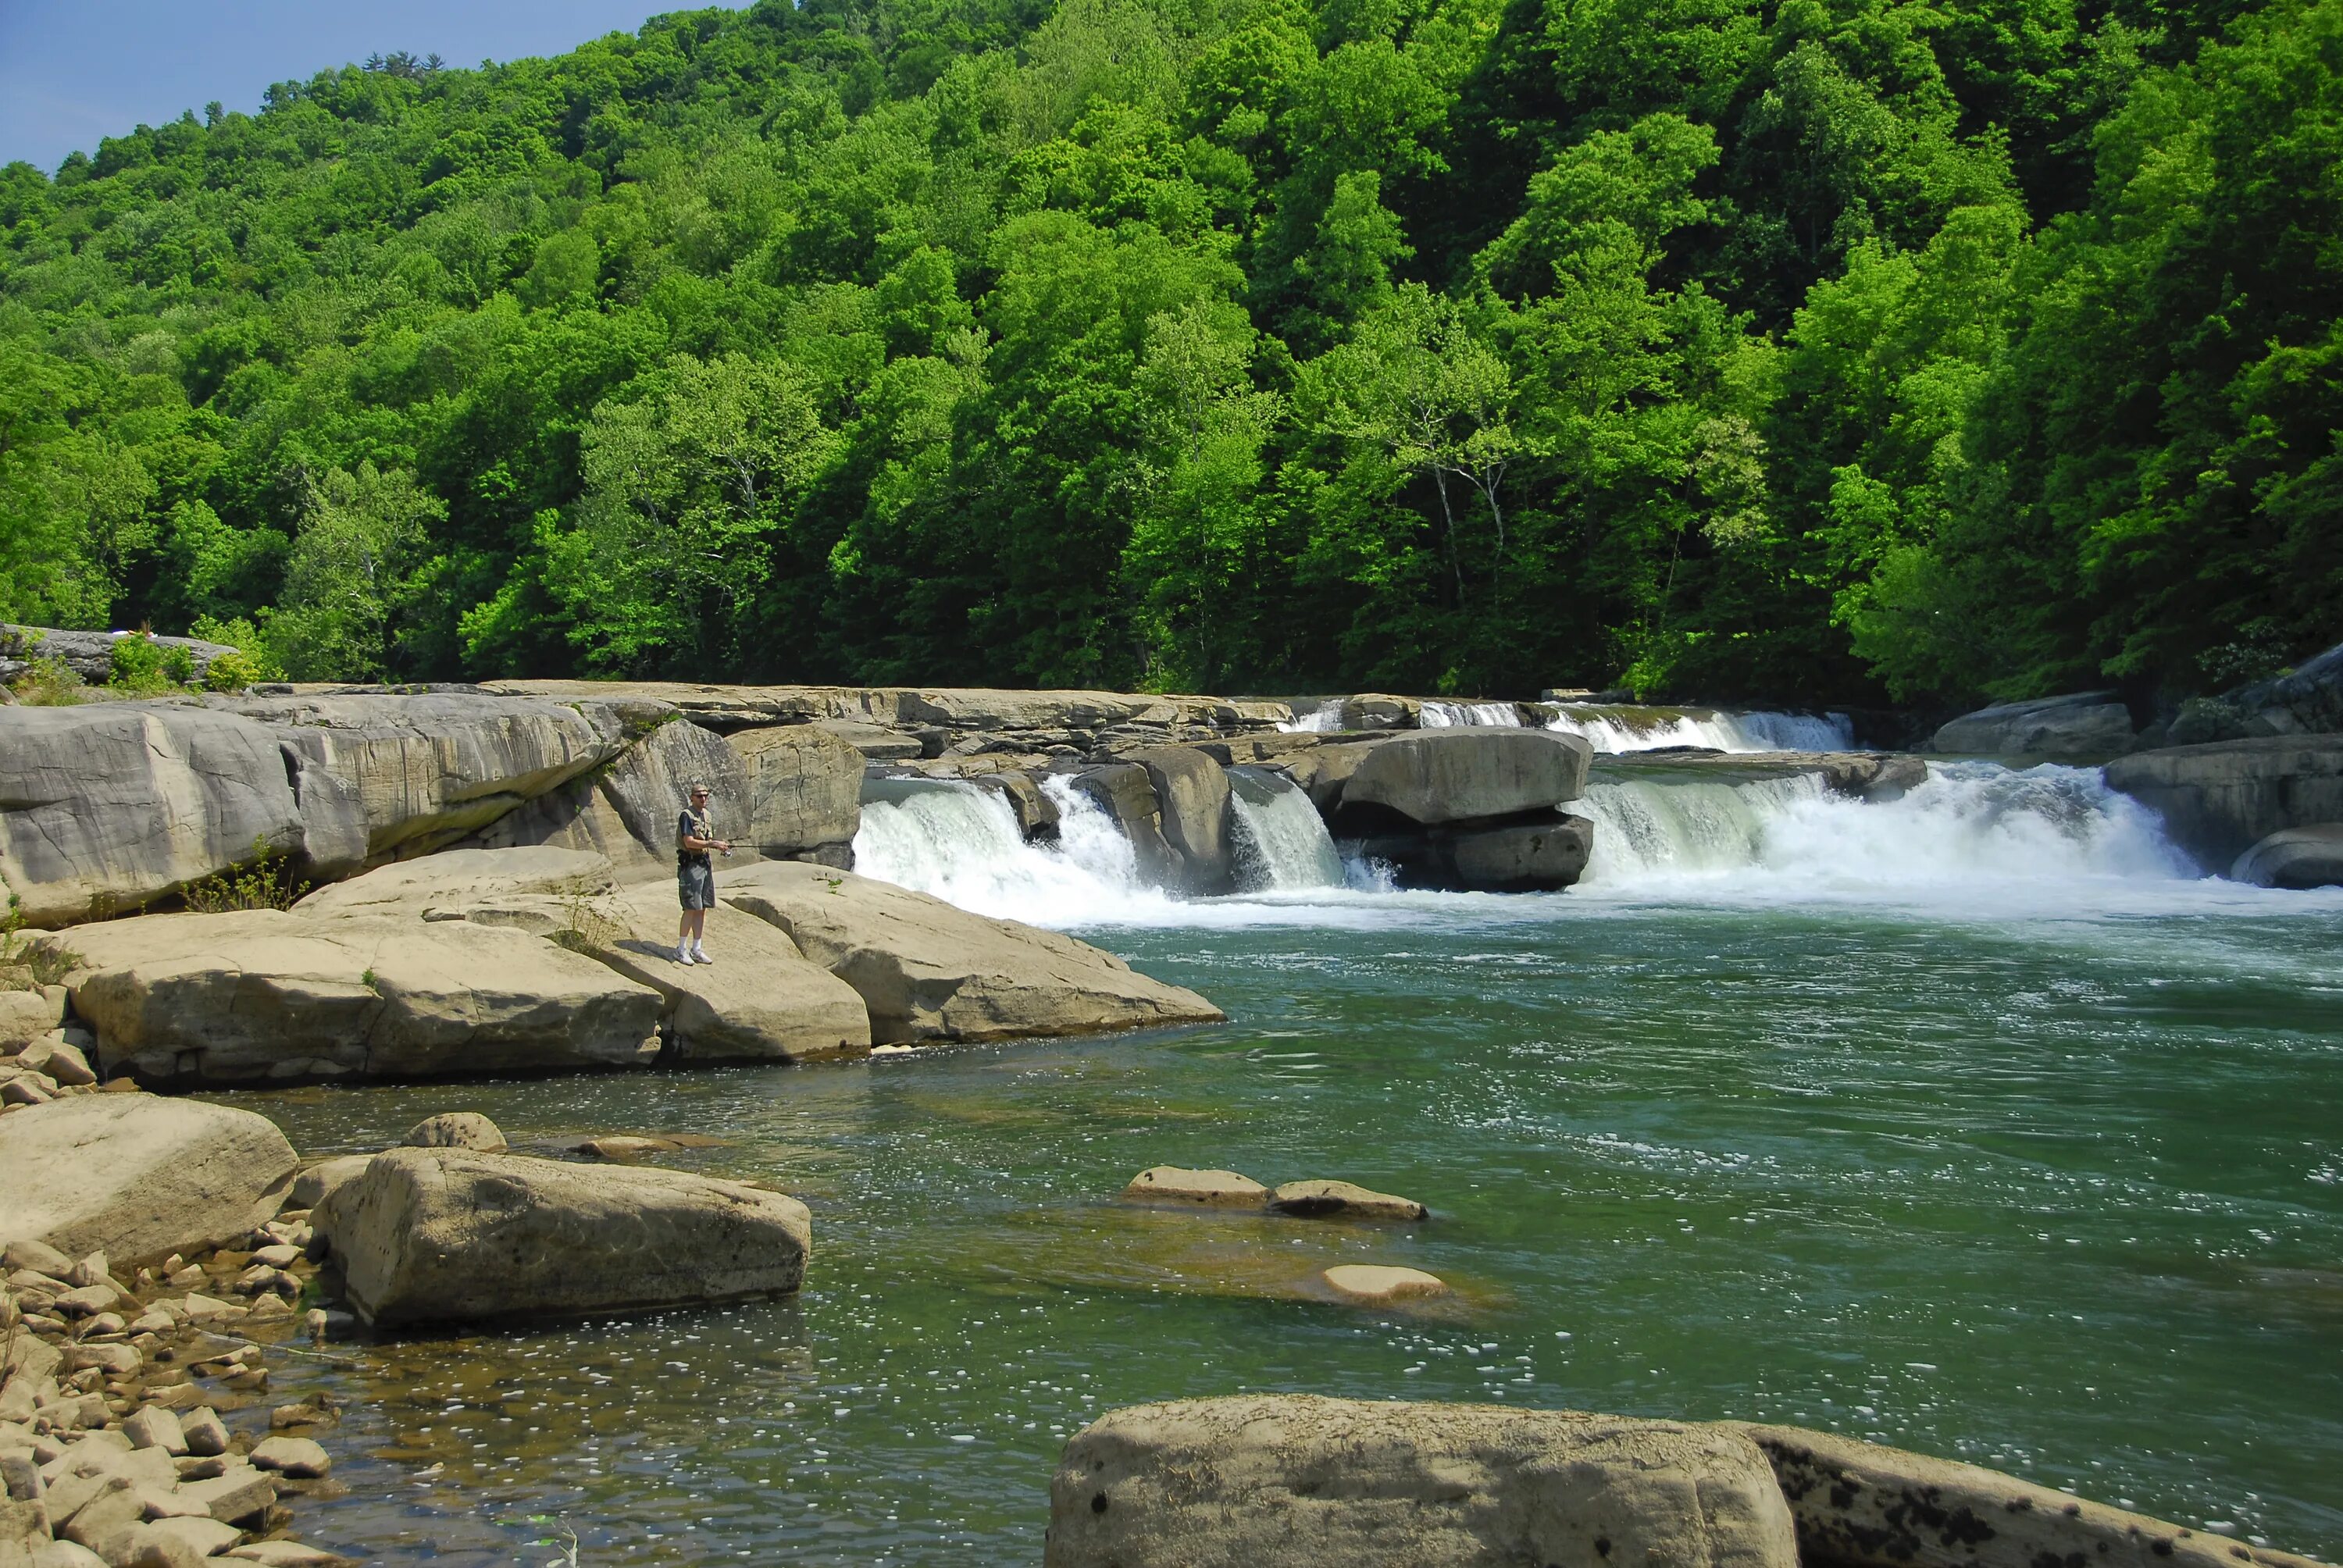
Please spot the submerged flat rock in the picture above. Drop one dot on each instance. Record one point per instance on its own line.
(1210, 1189)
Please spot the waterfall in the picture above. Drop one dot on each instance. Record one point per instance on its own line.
(1323, 719)
(1282, 842)
(1480, 715)
(961, 843)
(1623, 728)
(1968, 823)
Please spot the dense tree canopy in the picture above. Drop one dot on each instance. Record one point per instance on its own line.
(1809, 348)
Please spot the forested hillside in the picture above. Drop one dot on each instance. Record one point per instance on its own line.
(1817, 349)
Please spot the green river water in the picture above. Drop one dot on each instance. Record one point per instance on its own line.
(2051, 1182)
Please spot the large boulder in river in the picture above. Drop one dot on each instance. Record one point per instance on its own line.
(1440, 776)
(452, 1236)
(108, 805)
(2084, 727)
(2296, 858)
(2218, 801)
(1295, 1480)
(263, 994)
(1861, 1505)
(804, 792)
(137, 1177)
(928, 971)
(760, 999)
(1191, 798)
(386, 776)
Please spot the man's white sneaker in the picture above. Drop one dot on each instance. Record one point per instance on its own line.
(699, 955)
(683, 955)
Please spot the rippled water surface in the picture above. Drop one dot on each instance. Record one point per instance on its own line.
(2053, 1186)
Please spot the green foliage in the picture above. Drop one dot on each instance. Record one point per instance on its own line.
(1832, 348)
(27, 964)
(138, 665)
(266, 881)
(48, 683)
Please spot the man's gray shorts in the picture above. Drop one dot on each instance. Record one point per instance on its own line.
(695, 887)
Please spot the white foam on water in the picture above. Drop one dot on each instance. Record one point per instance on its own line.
(1472, 714)
(1619, 728)
(961, 843)
(1968, 826)
(1323, 719)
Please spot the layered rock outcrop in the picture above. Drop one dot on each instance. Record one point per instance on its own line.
(2218, 799)
(927, 971)
(444, 1236)
(2296, 857)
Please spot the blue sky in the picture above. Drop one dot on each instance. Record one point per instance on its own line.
(73, 71)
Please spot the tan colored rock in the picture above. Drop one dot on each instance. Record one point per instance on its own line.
(453, 1236)
(1298, 1482)
(461, 876)
(67, 1554)
(1342, 1201)
(1441, 776)
(206, 1537)
(108, 805)
(1320, 768)
(456, 1130)
(264, 994)
(239, 1494)
(26, 1016)
(1866, 1506)
(314, 1182)
(619, 1146)
(206, 1433)
(927, 971)
(154, 1176)
(804, 788)
(1208, 1189)
(154, 1427)
(1191, 795)
(1380, 710)
(281, 1553)
(299, 1457)
(1383, 1282)
(761, 1000)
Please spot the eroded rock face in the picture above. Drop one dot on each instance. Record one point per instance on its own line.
(2297, 858)
(2218, 801)
(1125, 792)
(1443, 776)
(1865, 1506)
(804, 789)
(264, 994)
(2085, 726)
(1191, 796)
(383, 776)
(928, 971)
(443, 1236)
(106, 807)
(627, 811)
(138, 1177)
(1300, 1481)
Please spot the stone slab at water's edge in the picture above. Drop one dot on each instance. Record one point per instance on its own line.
(1296, 1480)
(447, 1236)
(138, 1177)
(930, 971)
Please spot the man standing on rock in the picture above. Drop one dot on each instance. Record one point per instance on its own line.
(695, 876)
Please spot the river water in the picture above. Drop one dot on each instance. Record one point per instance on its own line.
(1971, 1123)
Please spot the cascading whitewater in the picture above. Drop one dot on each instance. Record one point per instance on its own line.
(1473, 715)
(1625, 726)
(1283, 845)
(961, 843)
(1323, 719)
(1967, 823)
(1622, 729)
